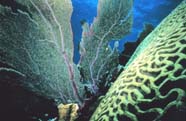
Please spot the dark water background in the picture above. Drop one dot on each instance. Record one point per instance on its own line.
(150, 11)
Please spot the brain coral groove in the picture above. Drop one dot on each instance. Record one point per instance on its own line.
(153, 81)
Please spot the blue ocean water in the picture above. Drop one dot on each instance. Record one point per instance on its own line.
(150, 11)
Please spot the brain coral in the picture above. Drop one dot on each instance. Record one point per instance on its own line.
(153, 81)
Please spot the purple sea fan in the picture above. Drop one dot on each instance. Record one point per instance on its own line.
(113, 22)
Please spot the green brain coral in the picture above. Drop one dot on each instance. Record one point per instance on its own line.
(154, 79)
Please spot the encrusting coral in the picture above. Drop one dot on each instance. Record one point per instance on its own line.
(68, 112)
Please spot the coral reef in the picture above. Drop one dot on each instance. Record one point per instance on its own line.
(68, 112)
(36, 55)
(113, 21)
(153, 81)
(20, 104)
(130, 47)
(36, 47)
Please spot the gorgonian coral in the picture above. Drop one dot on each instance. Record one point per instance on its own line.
(113, 21)
(36, 45)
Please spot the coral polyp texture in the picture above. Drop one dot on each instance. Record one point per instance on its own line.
(36, 49)
(113, 22)
(68, 112)
(153, 82)
(36, 46)
(36, 53)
